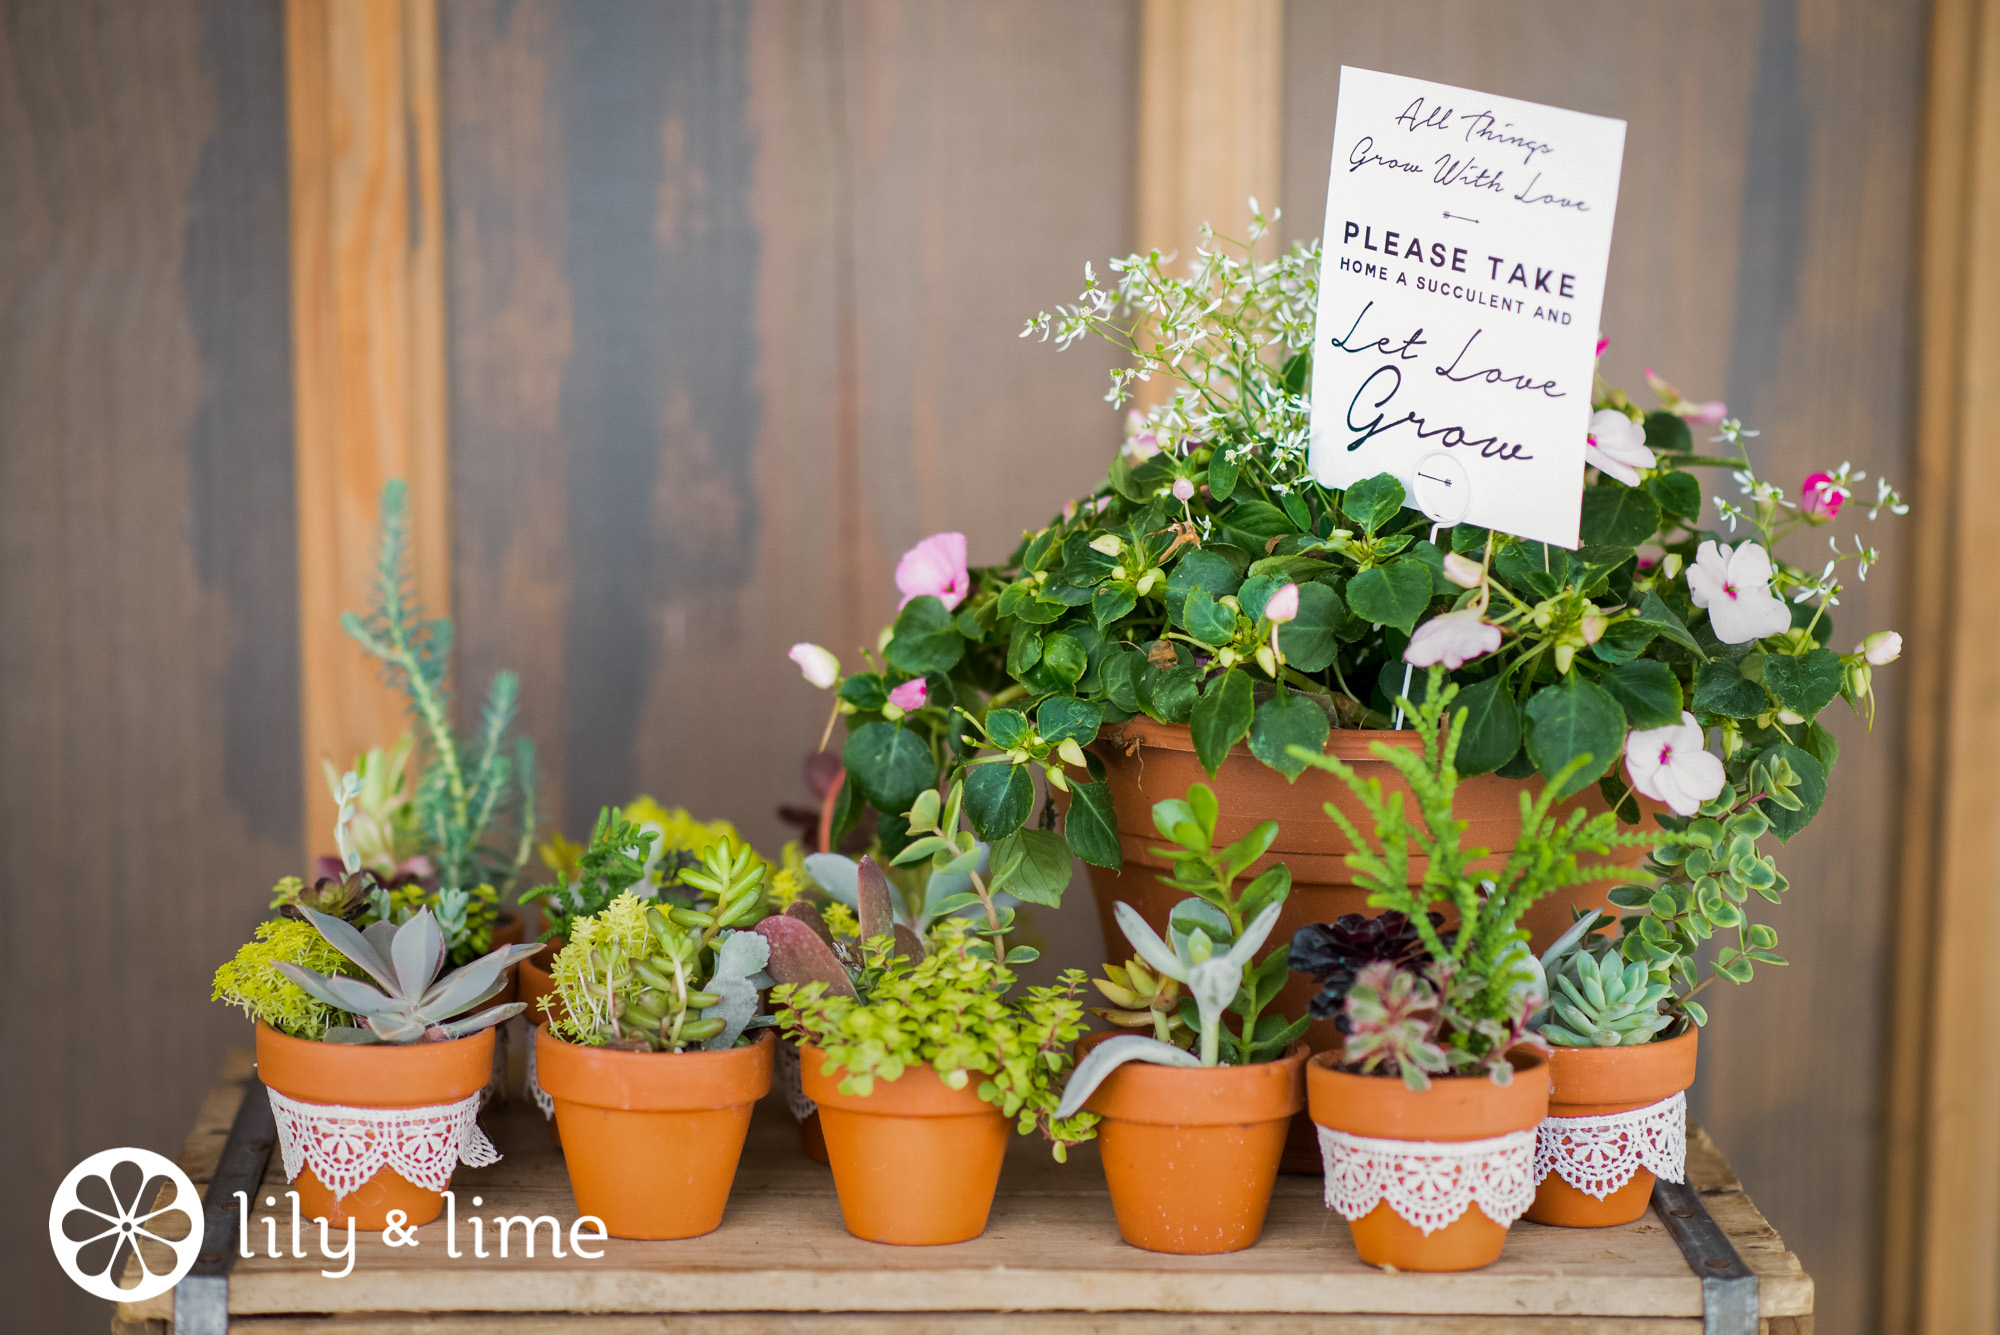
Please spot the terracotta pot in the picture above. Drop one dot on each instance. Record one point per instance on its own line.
(1595, 1082)
(536, 981)
(1190, 1154)
(652, 1139)
(1146, 762)
(372, 1075)
(1454, 1108)
(915, 1162)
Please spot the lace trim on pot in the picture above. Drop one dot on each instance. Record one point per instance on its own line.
(1598, 1155)
(345, 1146)
(543, 1099)
(793, 1085)
(1429, 1182)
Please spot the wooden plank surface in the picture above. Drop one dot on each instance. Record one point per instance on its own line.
(1051, 1246)
(148, 641)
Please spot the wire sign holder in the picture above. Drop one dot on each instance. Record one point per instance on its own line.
(1440, 487)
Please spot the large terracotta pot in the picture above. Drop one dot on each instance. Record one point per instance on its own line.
(373, 1075)
(1596, 1082)
(652, 1139)
(1454, 1108)
(1147, 762)
(1190, 1154)
(915, 1162)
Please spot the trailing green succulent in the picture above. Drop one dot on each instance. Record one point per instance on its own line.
(384, 826)
(1210, 873)
(1596, 999)
(474, 804)
(413, 1003)
(947, 1010)
(253, 982)
(613, 862)
(652, 978)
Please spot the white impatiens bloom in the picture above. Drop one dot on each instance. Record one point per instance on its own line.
(1881, 648)
(1671, 765)
(1453, 639)
(1617, 446)
(821, 668)
(1735, 586)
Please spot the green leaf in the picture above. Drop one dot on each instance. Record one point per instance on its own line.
(1311, 640)
(1823, 746)
(1222, 474)
(1258, 522)
(1667, 433)
(1170, 694)
(1624, 641)
(1492, 728)
(1065, 656)
(1647, 691)
(1283, 721)
(1391, 595)
(1032, 865)
(1091, 826)
(925, 638)
(1677, 492)
(1210, 622)
(1118, 677)
(1720, 689)
(1007, 727)
(1024, 649)
(1110, 603)
(1296, 373)
(891, 764)
(1199, 569)
(1653, 611)
(1804, 684)
(1257, 591)
(865, 691)
(1570, 720)
(1373, 502)
(1065, 716)
(1615, 514)
(998, 799)
(1221, 717)
(1810, 791)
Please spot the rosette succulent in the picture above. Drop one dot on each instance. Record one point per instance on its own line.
(1334, 953)
(412, 1002)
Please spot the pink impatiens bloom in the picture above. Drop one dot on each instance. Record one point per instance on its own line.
(1735, 587)
(1671, 765)
(1283, 606)
(821, 668)
(935, 566)
(910, 695)
(1617, 446)
(1453, 639)
(1708, 413)
(1820, 497)
(1463, 572)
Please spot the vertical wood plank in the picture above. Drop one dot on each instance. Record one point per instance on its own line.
(1941, 1153)
(368, 345)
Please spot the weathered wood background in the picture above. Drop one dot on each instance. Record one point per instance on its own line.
(732, 296)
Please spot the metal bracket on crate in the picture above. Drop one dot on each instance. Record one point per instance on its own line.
(201, 1299)
(1728, 1287)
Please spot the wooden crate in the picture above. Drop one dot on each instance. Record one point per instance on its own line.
(1050, 1261)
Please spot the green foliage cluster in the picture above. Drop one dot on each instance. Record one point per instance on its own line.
(950, 1012)
(252, 982)
(612, 863)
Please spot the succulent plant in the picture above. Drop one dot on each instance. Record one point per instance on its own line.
(252, 983)
(804, 950)
(1393, 1020)
(1334, 953)
(413, 1002)
(1144, 1000)
(656, 978)
(840, 877)
(1596, 1003)
(613, 862)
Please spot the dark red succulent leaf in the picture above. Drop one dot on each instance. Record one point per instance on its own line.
(1334, 952)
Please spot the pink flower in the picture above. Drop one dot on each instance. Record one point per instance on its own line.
(935, 566)
(1283, 606)
(1453, 639)
(1142, 442)
(1463, 572)
(1735, 587)
(1617, 446)
(821, 668)
(1671, 765)
(1820, 496)
(910, 695)
(1183, 489)
(1602, 344)
(1881, 648)
(1714, 410)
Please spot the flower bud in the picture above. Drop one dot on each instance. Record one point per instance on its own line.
(1071, 753)
(1671, 566)
(1565, 654)
(1593, 627)
(821, 668)
(1267, 660)
(1881, 648)
(1228, 658)
(1057, 779)
(1147, 582)
(1105, 544)
(1183, 489)
(1462, 572)
(1283, 606)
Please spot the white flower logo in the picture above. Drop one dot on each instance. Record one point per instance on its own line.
(108, 1212)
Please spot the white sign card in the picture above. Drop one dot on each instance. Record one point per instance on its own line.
(1462, 277)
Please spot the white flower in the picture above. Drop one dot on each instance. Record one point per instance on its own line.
(1453, 639)
(1881, 648)
(1735, 587)
(821, 668)
(1671, 765)
(1617, 446)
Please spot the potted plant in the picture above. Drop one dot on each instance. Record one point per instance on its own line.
(376, 1088)
(1427, 1116)
(1194, 1116)
(1211, 607)
(648, 1058)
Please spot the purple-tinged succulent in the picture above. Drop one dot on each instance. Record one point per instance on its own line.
(1334, 953)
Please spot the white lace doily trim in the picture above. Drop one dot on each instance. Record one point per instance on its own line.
(543, 1099)
(793, 1085)
(345, 1147)
(1429, 1182)
(1598, 1155)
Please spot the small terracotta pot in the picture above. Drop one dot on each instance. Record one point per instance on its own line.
(509, 929)
(537, 983)
(1454, 1108)
(915, 1162)
(652, 1139)
(1595, 1082)
(1190, 1154)
(372, 1075)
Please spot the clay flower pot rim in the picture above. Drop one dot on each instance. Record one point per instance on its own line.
(1224, 1095)
(420, 1074)
(1588, 1082)
(918, 1092)
(653, 1081)
(1455, 1107)
(1345, 743)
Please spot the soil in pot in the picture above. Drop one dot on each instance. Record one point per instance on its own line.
(373, 1075)
(1597, 1082)
(1454, 1108)
(915, 1162)
(652, 1139)
(1190, 1154)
